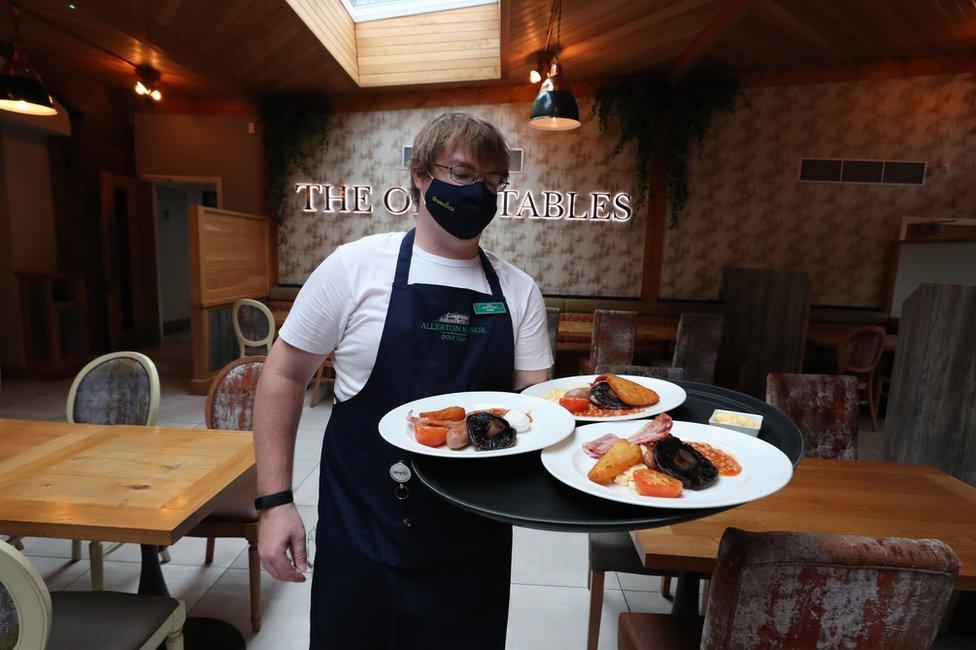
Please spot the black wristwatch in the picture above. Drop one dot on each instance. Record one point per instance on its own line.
(272, 500)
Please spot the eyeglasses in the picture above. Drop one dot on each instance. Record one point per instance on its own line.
(464, 175)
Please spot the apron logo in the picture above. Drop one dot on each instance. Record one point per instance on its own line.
(455, 317)
(453, 326)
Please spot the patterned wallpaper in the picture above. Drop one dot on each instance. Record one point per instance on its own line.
(747, 208)
(565, 257)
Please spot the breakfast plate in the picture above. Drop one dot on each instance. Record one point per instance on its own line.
(545, 424)
(671, 396)
(764, 468)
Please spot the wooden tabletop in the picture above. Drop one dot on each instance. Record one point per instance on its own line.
(835, 497)
(147, 485)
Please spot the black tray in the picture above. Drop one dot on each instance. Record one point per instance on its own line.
(518, 490)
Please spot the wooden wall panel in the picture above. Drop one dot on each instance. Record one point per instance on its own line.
(443, 46)
(333, 26)
(766, 317)
(931, 415)
(229, 256)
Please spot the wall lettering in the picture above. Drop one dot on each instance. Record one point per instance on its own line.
(603, 207)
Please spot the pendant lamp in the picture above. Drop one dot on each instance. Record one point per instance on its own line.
(555, 108)
(21, 88)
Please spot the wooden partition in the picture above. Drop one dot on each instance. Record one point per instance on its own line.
(931, 415)
(766, 319)
(232, 256)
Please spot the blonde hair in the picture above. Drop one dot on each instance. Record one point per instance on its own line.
(478, 137)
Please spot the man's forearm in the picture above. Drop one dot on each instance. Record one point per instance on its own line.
(277, 410)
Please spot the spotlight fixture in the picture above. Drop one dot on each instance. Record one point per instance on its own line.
(146, 84)
(21, 88)
(555, 108)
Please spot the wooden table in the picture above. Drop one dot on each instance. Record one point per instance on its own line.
(834, 497)
(148, 485)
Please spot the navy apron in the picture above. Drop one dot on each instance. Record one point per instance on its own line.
(414, 572)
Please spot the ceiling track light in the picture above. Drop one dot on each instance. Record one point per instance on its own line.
(21, 88)
(555, 108)
(146, 84)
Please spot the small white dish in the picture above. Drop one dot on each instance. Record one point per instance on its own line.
(748, 430)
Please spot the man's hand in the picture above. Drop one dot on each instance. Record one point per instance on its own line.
(281, 533)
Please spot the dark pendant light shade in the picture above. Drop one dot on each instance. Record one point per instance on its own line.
(555, 108)
(21, 88)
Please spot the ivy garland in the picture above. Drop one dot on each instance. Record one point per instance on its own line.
(639, 109)
(294, 134)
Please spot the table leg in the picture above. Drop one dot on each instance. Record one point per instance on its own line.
(686, 594)
(198, 633)
(151, 580)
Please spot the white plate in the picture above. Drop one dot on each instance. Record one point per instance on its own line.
(765, 469)
(672, 395)
(550, 423)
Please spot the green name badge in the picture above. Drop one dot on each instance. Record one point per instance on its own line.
(489, 308)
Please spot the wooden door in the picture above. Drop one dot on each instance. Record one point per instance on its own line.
(129, 261)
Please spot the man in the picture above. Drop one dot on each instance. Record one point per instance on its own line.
(396, 566)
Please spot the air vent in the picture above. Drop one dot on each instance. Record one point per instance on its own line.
(514, 168)
(872, 172)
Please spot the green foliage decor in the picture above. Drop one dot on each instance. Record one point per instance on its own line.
(686, 110)
(294, 134)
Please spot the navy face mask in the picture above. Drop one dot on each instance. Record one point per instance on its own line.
(462, 210)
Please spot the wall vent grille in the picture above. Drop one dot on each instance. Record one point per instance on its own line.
(862, 172)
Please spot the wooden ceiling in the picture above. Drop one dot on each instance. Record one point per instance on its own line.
(248, 49)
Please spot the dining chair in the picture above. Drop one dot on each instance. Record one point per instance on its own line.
(115, 388)
(326, 372)
(824, 408)
(33, 618)
(799, 590)
(230, 405)
(697, 344)
(254, 325)
(615, 551)
(552, 325)
(858, 354)
(614, 337)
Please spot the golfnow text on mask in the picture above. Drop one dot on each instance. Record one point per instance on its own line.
(513, 204)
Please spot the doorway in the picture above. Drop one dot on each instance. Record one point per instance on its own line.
(173, 200)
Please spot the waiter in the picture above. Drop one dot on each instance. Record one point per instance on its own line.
(396, 566)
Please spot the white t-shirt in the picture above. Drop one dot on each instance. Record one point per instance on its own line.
(342, 306)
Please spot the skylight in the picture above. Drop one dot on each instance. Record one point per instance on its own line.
(364, 10)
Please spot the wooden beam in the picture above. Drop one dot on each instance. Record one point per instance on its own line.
(184, 105)
(657, 218)
(124, 18)
(504, 25)
(730, 12)
(928, 67)
(443, 96)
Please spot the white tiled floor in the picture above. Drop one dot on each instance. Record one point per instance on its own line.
(549, 604)
(550, 601)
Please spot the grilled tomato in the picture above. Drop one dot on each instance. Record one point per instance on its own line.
(430, 435)
(574, 404)
(656, 484)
